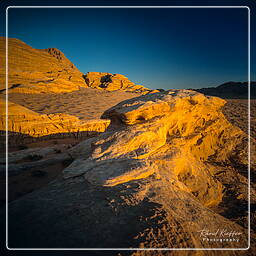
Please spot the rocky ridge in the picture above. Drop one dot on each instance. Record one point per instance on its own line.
(177, 130)
(231, 90)
(50, 71)
(25, 122)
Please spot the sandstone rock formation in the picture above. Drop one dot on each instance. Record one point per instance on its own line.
(49, 71)
(37, 71)
(27, 122)
(147, 182)
(112, 82)
(173, 133)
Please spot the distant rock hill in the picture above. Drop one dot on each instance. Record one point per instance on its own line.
(230, 90)
(112, 82)
(49, 71)
(36, 71)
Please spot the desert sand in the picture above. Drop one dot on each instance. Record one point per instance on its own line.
(86, 103)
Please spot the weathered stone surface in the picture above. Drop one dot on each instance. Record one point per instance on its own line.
(24, 121)
(113, 82)
(174, 134)
(145, 213)
(37, 71)
(18, 168)
(22, 155)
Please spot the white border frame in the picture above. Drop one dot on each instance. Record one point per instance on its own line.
(249, 133)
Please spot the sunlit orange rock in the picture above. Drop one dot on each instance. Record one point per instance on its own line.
(27, 122)
(50, 71)
(37, 71)
(112, 82)
(176, 135)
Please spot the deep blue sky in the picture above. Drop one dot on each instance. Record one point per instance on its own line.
(159, 48)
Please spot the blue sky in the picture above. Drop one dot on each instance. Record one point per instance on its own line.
(159, 48)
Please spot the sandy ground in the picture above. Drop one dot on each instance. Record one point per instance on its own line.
(236, 111)
(89, 104)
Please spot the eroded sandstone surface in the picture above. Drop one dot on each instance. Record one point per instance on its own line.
(23, 121)
(37, 71)
(174, 134)
(153, 179)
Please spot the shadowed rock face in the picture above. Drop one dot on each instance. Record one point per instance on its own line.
(145, 183)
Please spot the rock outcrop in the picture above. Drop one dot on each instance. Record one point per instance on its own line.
(37, 71)
(22, 121)
(172, 134)
(147, 182)
(113, 82)
(49, 71)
